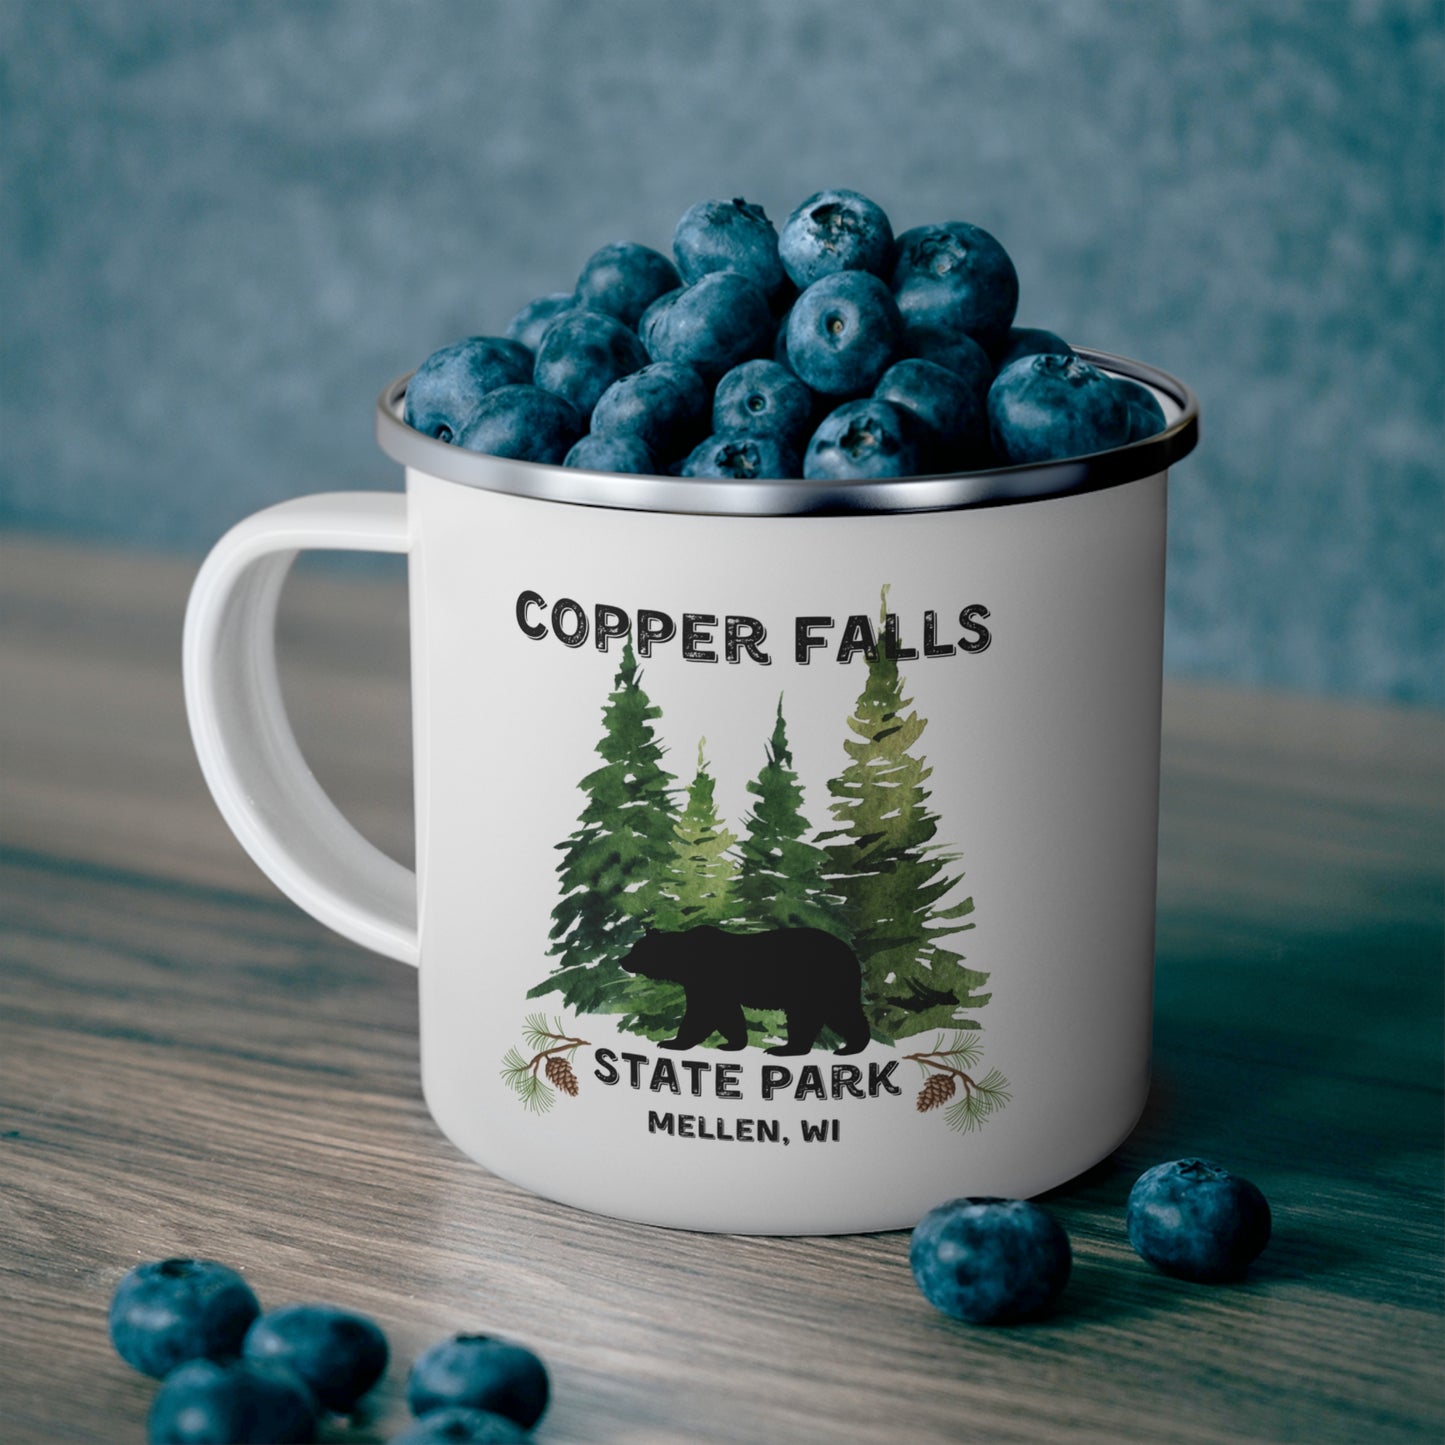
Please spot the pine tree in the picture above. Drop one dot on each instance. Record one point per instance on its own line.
(694, 887)
(782, 883)
(697, 885)
(889, 870)
(613, 861)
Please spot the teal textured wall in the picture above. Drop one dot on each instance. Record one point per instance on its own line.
(226, 225)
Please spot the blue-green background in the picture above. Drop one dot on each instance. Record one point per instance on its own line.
(224, 226)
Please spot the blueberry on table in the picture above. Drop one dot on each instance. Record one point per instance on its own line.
(835, 231)
(861, 440)
(763, 396)
(524, 422)
(483, 1373)
(956, 277)
(663, 405)
(843, 333)
(711, 325)
(168, 1311)
(536, 316)
(741, 456)
(624, 279)
(445, 391)
(952, 413)
(990, 1261)
(1029, 341)
(460, 1425)
(1146, 416)
(338, 1354)
(728, 236)
(1195, 1220)
(235, 1402)
(582, 353)
(620, 453)
(1046, 407)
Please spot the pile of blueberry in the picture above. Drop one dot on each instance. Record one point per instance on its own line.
(828, 350)
(233, 1374)
(998, 1261)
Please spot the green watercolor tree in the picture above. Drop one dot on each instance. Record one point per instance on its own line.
(614, 861)
(783, 880)
(697, 885)
(891, 874)
(694, 887)
(782, 876)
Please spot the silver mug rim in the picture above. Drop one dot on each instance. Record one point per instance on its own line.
(785, 497)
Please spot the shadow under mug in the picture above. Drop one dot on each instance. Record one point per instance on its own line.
(785, 850)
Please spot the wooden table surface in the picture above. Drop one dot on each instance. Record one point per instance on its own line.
(189, 1065)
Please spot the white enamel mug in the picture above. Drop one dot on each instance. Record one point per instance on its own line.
(785, 850)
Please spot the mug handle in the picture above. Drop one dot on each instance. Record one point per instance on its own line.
(243, 738)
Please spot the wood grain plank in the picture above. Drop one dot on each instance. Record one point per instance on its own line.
(188, 1064)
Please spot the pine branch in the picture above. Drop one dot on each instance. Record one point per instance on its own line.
(519, 1075)
(539, 1037)
(535, 1032)
(513, 1066)
(962, 1053)
(525, 1076)
(944, 1070)
(986, 1097)
(567, 1047)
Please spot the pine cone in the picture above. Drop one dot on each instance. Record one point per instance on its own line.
(559, 1071)
(938, 1089)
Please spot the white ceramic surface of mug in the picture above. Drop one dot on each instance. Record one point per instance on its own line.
(785, 850)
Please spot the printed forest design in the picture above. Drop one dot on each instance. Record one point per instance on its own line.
(650, 855)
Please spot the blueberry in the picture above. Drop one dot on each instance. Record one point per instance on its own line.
(239, 1402)
(582, 353)
(742, 455)
(172, 1310)
(1029, 341)
(624, 279)
(990, 1261)
(952, 413)
(621, 453)
(860, 440)
(780, 340)
(525, 422)
(1146, 416)
(956, 277)
(835, 231)
(534, 318)
(664, 405)
(445, 390)
(960, 354)
(728, 236)
(485, 1373)
(712, 324)
(1044, 407)
(338, 1354)
(763, 396)
(843, 332)
(459, 1425)
(1198, 1221)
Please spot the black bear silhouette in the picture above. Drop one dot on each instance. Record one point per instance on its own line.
(809, 974)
